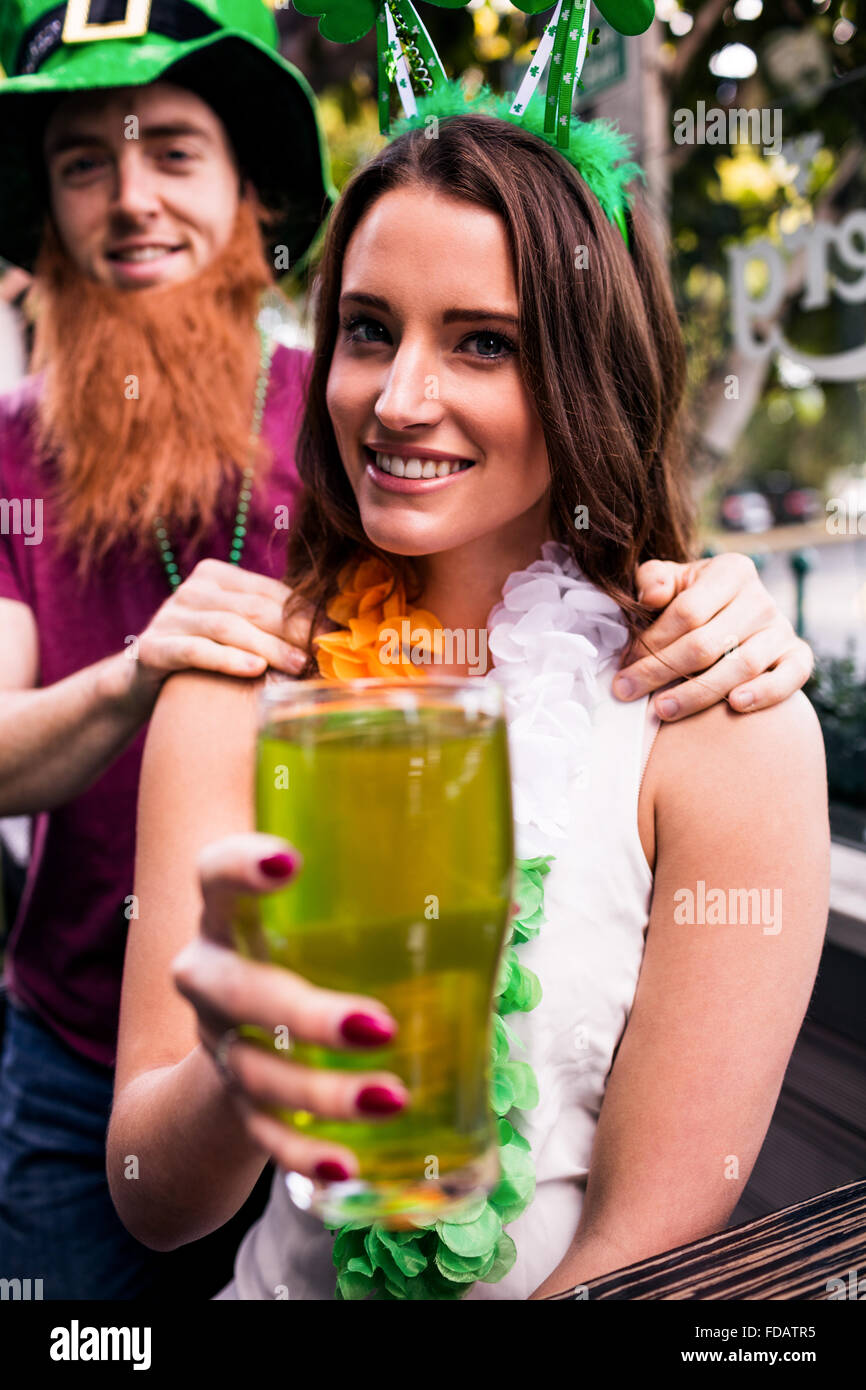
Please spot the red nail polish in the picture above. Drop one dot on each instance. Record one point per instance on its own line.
(278, 865)
(329, 1170)
(366, 1030)
(379, 1100)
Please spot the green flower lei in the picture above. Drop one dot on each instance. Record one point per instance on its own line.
(443, 1259)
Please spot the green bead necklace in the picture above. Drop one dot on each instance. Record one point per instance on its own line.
(239, 532)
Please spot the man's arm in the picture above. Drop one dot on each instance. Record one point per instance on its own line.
(741, 806)
(56, 740)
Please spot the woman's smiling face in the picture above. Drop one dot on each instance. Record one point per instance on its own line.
(425, 379)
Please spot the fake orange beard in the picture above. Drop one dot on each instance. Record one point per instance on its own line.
(147, 403)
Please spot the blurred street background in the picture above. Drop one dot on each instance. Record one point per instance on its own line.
(749, 119)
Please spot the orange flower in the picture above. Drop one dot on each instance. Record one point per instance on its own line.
(382, 631)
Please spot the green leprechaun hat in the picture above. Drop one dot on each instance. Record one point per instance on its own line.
(223, 50)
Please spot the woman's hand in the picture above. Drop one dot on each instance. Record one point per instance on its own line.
(228, 990)
(721, 628)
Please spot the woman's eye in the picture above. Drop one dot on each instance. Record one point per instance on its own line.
(177, 156)
(491, 345)
(362, 330)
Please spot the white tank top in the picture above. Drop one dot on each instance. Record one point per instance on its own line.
(587, 957)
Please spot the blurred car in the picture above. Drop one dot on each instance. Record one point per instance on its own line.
(789, 501)
(745, 509)
(801, 504)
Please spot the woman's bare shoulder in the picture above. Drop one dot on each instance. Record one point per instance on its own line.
(757, 762)
(200, 689)
(197, 706)
(201, 739)
(781, 744)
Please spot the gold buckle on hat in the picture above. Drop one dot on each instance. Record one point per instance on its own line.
(77, 26)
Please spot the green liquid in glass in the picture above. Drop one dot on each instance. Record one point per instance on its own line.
(404, 822)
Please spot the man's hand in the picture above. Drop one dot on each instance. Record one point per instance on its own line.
(721, 628)
(220, 619)
(56, 740)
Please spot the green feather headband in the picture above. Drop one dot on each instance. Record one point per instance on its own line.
(406, 56)
(597, 149)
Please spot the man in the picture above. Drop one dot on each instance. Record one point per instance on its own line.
(144, 471)
(149, 274)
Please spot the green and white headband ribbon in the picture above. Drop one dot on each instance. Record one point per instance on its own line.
(406, 51)
(408, 61)
(566, 38)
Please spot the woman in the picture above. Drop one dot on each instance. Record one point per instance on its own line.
(455, 328)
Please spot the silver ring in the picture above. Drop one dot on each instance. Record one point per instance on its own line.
(220, 1059)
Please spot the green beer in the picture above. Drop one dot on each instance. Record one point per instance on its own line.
(398, 797)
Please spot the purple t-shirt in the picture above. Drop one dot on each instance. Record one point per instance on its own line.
(65, 952)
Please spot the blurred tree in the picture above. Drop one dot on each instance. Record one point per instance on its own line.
(809, 62)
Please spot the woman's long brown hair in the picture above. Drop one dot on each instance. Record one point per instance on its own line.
(601, 353)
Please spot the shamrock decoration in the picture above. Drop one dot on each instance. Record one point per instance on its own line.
(625, 16)
(341, 21)
(346, 21)
(531, 6)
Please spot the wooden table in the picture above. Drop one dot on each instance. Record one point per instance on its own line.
(791, 1254)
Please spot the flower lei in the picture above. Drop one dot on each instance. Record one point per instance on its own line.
(546, 665)
(441, 1260)
(359, 650)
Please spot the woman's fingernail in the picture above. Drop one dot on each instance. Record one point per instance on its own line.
(624, 686)
(329, 1170)
(278, 865)
(365, 1029)
(745, 699)
(668, 708)
(379, 1100)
